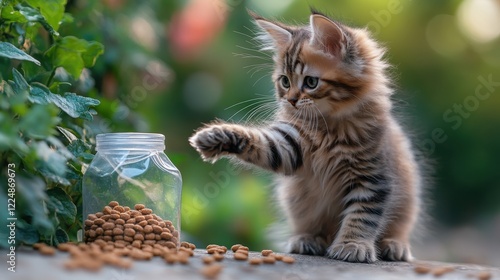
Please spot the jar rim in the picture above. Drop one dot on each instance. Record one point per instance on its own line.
(130, 141)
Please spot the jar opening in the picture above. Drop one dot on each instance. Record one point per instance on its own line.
(130, 141)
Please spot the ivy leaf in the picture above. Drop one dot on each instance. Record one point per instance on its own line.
(10, 51)
(39, 121)
(60, 237)
(26, 233)
(33, 15)
(62, 205)
(74, 105)
(51, 10)
(50, 158)
(20, 86)
(74, 54)
(8, 14)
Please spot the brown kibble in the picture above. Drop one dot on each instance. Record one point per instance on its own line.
(210, 246)
(153, 222)
(126, 208)
(139, 207)
(130, 221)
(138, 228)
(183, 257)
(287, 259)
(108, 232)
(171, 258)
(129, 232)
(105, 217)
(120, 222)
(186, 250)
(255, 261)
(143, 223)
(148, 229)
(47, 250)
(170, 244)
(124, 216)
(99, 214)
(175, 233)
(88, 223)
(149, 236)
(440, 271)
(278, 257)
(148, 217)
(128, 238)
(240, 257)
(266, 253)
(212, 250)
(211, 271)
(113, 203)
(244, 252)
(119, 208)
(245, 248)
(119, 237)
(218, 257)
(91, 233)
(108, 226)
(139, 236)
(166, 235)
(99, 231)
(114, 216)
(99, 221)
(149, 242)
(421, 269)
(235, 247)
(146, 211)
(269, 260)
(185, 244)
(117, 231)
(192, 246)
(107, 210)
(208, 259)
(65, 247)
(137, 244)
(484, 275)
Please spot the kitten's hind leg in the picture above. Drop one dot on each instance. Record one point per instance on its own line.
(307, 244)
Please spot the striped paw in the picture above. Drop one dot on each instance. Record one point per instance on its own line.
(394, 250)
(307, 245)
(217, 140)
(353, 251)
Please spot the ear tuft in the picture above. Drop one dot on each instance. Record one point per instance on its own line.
(273, 35)
(327, 35)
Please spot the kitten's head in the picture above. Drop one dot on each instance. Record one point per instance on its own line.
(325, 64)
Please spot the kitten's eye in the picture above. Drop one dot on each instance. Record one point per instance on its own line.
(285, 82)
(311, 82)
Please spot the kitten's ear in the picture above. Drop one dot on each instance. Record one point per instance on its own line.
(327, 35)
(274, 35)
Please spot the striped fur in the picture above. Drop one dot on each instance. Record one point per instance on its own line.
(347, 179)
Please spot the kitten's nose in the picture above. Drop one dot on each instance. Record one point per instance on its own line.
(293, 101)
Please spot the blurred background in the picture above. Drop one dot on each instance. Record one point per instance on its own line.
(170, 66)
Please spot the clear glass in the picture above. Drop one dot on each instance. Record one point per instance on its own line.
(131, 168)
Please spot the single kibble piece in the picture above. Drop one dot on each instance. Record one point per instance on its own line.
(440, 271)
(129, 232)
(421, 269)
(240, 257)
(183, 257)
(245, 248)
(208, 259)
(269, 260)
(484, 275)
(120, 209)
(139, 207)
(65, 247)
(255, 261)
(211, 271)
(212, 246)
(235, 247)
(171, 258)
(287, 259)
(278, 257)
(148, 229)
(99, 222)
(266, 253)
(218, 257)
(244, 252)
(47, 250)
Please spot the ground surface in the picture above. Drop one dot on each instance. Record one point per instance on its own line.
(31, 265)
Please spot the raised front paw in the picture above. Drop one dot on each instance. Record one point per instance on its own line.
(353, 251)
(394, 250)
(216, 140)
(307, 245)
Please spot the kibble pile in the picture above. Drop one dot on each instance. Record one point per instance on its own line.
(123, 227)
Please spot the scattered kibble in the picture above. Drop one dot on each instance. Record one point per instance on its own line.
(484, 275)
(235, 247)
(269, 260)
(287, 259)
(208, 259)
(440, 271)
(211, 271)
(266, 253)
(421, 269)
(240, 256)
(255, 261)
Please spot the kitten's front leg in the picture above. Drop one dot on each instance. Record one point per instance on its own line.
(216, 140)
(275, 147)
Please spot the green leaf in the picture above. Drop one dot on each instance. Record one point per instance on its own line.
(74, 105)
(60, 237)
(39, 122)
(8, 14)
(33, 15)
(74, 54)
(51, 159)
(26, 233)
(51, 10)
(60, 203)
(10, 51)
(20, 86)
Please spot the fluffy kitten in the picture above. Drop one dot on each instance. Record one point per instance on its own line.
(347, 179)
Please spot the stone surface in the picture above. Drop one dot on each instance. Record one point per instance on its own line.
(31, 265)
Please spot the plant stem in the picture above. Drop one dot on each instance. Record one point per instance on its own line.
(51, 77)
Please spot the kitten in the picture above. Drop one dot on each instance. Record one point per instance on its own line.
(348, 181)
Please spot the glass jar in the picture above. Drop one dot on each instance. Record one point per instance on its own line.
(132, 169)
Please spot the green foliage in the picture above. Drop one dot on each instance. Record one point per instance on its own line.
(43, 135)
